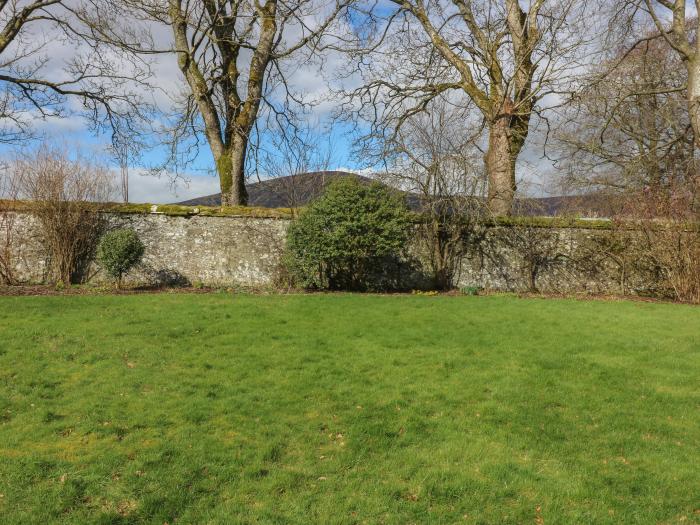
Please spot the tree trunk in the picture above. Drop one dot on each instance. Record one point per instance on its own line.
(230, 167)
(693, 97)
(693, 67)
(500, 168)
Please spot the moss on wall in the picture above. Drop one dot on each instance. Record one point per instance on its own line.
(554, 222)
(204, 211)
(172, 210)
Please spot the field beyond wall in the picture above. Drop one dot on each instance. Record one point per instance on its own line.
(225, 408)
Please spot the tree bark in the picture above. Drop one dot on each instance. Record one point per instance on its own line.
(230, 166)
(693, 66)
(227, 130)
(500, 168)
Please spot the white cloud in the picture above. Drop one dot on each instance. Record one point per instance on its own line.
(162, 190)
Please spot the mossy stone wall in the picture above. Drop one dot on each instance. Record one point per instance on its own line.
(243, 246)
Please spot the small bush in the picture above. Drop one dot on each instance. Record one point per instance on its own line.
(119, 251)
(349, 239)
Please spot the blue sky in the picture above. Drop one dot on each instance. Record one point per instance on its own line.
(196, 178)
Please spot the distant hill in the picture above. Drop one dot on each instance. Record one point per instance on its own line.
(284, 192)
(298, 190)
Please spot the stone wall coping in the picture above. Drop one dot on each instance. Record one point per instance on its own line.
(175, 210)
(172, 210)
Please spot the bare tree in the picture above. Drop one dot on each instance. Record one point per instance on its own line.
(232, 54)
(434, 159)
(124, 154)
(501, 56)
(680, 34)
(35, 85)
(298, 164)
(628, 127)
(63, 191)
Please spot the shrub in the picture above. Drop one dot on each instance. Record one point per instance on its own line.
(349, 238)
(8, 227)
(119, 251)
(63, 189)
(668, 221)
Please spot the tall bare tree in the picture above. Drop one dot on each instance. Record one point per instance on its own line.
(34, 84)
(678, 28)
(232, 55)
(628, 127)
(505, 56)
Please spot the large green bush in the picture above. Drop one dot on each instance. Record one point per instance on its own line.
(119, 251)
(351, 238)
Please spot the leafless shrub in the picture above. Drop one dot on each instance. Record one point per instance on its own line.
(668, 225)
(448, 228)
(8, 218)
(63, 190)
(433, 157)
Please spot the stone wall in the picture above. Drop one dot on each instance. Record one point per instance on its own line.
(179, 249)
(238, 250)
(551, 260)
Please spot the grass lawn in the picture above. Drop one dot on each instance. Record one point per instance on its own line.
(330, 409)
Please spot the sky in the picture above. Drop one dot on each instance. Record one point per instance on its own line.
(198, 179)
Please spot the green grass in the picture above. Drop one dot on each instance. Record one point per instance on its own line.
(347, 409)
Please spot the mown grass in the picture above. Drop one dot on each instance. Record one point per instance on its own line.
(347, 409)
